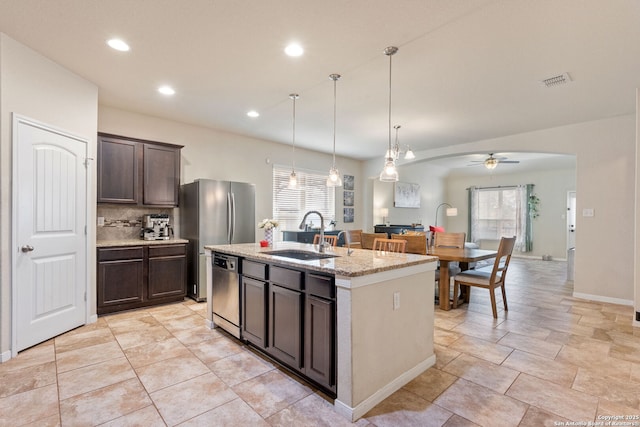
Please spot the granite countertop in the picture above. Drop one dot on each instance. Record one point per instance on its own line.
(137, 242)
(360, 263)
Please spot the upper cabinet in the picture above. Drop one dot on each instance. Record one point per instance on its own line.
(137, 172)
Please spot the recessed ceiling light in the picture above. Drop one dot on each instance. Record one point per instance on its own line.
(253, 114)
(118, 44)
(166, 90)
(294, 49)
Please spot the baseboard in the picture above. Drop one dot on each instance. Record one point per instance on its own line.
(536, 257)
(5, 356)
(601, 298)
(353, 414)
(93, 318)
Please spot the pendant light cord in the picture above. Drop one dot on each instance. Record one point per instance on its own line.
(293, 96)
(335, 80)
(390, 59)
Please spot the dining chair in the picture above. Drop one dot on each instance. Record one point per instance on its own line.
(488, 279)
(389, 245)
(332, 240)
(448, 240)
(355, 237)
(366, 239)
(416, 243)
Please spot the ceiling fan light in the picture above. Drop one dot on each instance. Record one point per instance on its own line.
(491, 163)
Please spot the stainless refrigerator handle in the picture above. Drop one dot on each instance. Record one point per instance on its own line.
(233, 208)
(229, 214)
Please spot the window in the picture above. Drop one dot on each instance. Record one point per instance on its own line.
(498, 212)
(312, 194)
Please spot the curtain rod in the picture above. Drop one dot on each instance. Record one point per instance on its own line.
(499, 186)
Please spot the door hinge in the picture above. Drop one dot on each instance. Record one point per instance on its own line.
(85, 296)
(85, 230)
(86, 161)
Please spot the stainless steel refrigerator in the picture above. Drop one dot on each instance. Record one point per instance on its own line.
(213, 213)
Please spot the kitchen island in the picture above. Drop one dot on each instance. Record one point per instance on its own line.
(384, 316)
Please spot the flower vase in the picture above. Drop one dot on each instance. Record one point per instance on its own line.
(268, 236)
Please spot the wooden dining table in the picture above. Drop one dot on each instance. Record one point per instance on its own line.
(464, 256)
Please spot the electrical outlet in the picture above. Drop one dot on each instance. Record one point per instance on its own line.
(587, 212)
(100, 221)
(396, 300)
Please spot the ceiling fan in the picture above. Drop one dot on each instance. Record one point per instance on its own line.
(491, 162)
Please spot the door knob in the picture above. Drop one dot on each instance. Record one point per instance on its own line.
(26, 248)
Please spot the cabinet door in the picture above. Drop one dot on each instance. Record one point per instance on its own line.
(167, 276)
(319, 341)
(285, 325)
(254, 311)
(117, 171)
(119, 283)
(161, 175)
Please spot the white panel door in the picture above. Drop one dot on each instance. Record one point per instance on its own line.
(50, 243)
(571, 219)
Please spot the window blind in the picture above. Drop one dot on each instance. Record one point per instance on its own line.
(312, 194)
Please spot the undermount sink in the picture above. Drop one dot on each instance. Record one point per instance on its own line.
(298, 254)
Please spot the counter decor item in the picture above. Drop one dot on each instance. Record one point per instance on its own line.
(268, 225)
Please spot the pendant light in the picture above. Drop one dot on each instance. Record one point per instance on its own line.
(334, 179)
(293, 179)
(389, 173)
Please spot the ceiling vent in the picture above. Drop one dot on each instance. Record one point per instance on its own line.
(558, 80)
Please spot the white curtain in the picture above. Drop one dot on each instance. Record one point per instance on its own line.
(521, 215)
(521, 219)
(474, 223)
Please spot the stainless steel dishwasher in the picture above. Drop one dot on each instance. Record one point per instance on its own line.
(225, 298)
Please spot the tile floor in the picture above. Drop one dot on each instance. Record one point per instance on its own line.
(551, 359)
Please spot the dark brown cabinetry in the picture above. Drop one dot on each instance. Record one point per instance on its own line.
(285, 325)
(124, 267)
(291, 315)
(167, 271)
(136, 171)
(320, 333)
(254, 302)
(132, 277)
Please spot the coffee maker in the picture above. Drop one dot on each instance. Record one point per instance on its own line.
(155, 227)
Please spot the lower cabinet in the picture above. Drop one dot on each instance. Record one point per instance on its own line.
(124, 267)
(132, 277)
(291, 315)
(254, 311)
(285, 325)
(167, 271)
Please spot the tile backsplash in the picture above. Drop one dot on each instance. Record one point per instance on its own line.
(125, 222)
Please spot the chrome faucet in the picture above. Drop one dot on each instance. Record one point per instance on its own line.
(322, 244)
(347, 240)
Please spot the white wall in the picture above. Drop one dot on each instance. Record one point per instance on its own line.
(431, 180)
(605, 181)
(551, 186)
(33, 86)
(637, 213)
(213, 154)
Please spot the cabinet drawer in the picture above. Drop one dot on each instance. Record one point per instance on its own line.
(288, 278)
(254, 269)
(321, 286)
(167, 250)
(116, 254)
